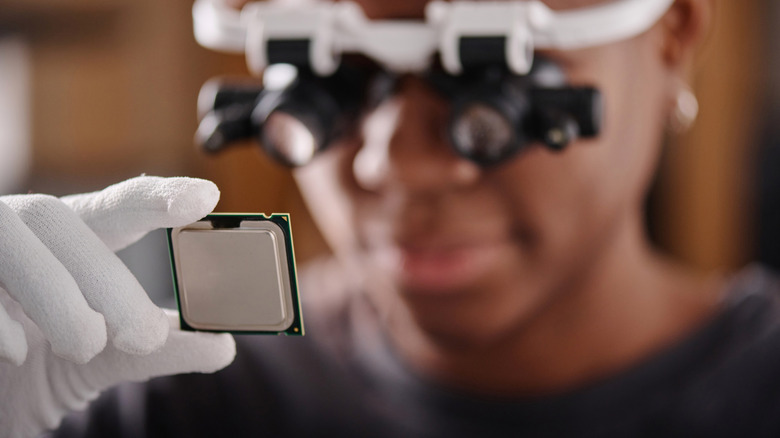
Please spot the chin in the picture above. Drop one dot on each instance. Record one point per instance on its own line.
(470, 318)
(464, 299)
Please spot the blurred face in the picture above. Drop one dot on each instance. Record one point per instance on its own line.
(473, 253)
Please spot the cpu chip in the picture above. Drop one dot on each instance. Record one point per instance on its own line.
(236, 273)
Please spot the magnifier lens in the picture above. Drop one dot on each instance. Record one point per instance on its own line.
(289, 138)
(482, 133)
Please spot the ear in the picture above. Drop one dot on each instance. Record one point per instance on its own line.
(685, 25)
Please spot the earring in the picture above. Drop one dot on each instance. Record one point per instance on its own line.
(685, 109)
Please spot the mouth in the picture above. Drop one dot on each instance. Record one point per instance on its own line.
(440, 269)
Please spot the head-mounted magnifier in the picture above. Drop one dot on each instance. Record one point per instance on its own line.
(480, 54)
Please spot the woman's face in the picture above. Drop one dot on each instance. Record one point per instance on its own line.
(473, 253)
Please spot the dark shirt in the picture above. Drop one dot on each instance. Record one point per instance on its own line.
(342, 380)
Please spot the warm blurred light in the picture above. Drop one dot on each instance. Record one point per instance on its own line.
(289, 137)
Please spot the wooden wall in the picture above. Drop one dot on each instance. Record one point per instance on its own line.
(706, 208)
(114, 94)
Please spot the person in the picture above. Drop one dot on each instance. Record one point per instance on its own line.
(522, 299)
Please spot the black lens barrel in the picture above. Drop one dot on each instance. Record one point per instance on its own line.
(541, 111)
(486, 99)
(224, 109)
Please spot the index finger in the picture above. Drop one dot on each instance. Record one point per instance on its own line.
(124, 212)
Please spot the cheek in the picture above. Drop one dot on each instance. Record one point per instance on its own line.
(632, 82)
(565, 205)
(556, 201)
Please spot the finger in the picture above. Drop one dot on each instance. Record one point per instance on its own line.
(124, 212)
(184, 352)
(135, 325)
(47, 293)
(13, 346)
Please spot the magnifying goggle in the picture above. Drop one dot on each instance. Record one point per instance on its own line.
(325, 64)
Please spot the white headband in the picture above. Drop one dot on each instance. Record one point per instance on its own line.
(407, 46)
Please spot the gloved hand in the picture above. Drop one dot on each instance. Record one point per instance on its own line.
(73, 320)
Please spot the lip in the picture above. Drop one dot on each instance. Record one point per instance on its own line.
(441, 270)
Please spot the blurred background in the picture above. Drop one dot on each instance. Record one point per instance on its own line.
(94, 91)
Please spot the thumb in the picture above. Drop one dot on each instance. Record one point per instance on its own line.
(184, 352)
(124, 212)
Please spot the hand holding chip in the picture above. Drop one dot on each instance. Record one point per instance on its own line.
(73, 320)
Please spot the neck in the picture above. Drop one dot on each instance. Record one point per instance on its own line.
(626, 305)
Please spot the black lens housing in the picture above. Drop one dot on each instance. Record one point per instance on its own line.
(540, 108)
(326, 106)
(224, 109)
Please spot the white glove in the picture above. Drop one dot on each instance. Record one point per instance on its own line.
(73, 320)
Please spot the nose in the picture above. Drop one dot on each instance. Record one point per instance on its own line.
(406, 147)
